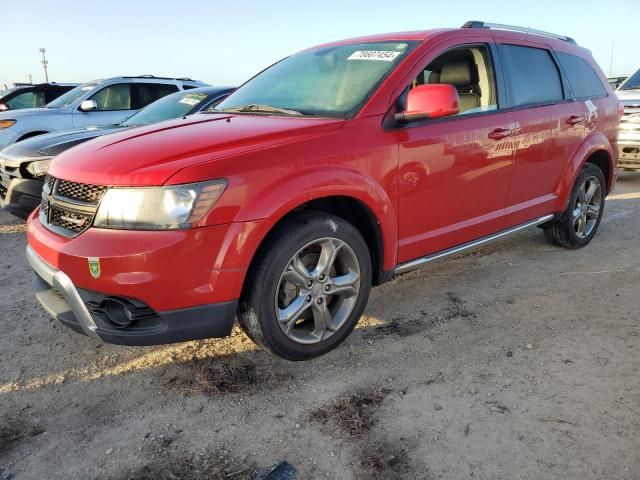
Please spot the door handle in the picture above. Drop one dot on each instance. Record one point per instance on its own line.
(574, 120)
(500, 133)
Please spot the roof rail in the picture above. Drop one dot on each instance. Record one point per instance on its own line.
(184, 79)
(514, 28)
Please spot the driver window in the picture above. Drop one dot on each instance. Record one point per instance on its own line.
(114, 97)
(469, 70)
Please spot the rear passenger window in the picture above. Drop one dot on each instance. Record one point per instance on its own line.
(585, 83)
(532, 75)
(147, 93)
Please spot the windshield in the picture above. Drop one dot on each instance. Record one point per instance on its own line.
(326, 81)
(632, 82)
(172, 106)
(72, 95)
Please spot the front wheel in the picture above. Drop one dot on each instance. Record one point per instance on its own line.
(579, 223)
(309, 287)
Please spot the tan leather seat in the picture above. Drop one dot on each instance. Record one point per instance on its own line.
(462, 75)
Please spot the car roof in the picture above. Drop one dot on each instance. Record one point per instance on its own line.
(207, 90)
(523, 35)
(147, 78)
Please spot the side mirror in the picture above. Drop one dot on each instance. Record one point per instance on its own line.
(88, 106)
(430, 101)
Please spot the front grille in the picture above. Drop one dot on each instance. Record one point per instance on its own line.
(48, 181)
(68, 208)
(70, 221)
(44, 207)
(83, 192)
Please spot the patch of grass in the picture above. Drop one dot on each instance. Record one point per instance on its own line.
(353, 413)
(212, 376)
(400, 327)
(218, 466)
(384, 460)
(14, 430)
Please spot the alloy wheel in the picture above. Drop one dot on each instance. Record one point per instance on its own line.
(317, 291)
(586, 210)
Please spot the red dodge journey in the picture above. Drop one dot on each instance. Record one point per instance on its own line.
(329, 172)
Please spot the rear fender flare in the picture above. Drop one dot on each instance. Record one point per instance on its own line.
(595, 142)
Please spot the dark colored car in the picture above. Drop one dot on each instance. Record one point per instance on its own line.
(23, 165)
(32, 96)
(331, 171)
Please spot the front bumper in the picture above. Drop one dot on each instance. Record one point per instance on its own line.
(629, 154)
(77, 309)
(20, 196)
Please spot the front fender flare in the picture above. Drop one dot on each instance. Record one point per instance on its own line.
(291, 192)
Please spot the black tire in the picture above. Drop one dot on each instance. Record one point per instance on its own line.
(562, 232)
(257, 313)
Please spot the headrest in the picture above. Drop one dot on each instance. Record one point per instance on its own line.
(457, 73)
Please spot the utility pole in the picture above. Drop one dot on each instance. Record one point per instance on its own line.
(44, 64)
(613, 44)
(30, 79)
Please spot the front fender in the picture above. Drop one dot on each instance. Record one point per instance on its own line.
(595, 142)
(283, 196)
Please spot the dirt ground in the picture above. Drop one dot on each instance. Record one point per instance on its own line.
(515, 361)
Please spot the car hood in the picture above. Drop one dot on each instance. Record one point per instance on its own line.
(26, 112)
(150, 155)
(52, 144)
(629, 95)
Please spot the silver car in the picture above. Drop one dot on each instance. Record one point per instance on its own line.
(93, 104)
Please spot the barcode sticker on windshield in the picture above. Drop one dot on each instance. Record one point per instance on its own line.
(375, 55)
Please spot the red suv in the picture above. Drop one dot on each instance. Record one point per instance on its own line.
(329, 172)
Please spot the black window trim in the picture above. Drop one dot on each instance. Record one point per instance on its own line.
(567, 94)
(564, 73)
(500, 91)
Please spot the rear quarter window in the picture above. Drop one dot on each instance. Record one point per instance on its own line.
(532, 75)
(146, 93)
(584, 81)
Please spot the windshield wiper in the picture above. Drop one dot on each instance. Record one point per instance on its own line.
(257, 108)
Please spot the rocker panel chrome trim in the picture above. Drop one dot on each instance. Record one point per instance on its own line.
(419, 262)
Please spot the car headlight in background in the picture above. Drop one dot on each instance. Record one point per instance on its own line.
(157, 208)
(38, 168)
(6, 124)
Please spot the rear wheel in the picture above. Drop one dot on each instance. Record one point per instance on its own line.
(579, 223)
(309, 287)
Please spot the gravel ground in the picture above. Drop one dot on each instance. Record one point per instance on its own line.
(515, 361)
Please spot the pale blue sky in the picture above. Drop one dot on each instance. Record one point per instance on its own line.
(227, 42)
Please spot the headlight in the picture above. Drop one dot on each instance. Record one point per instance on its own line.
(157, 208)
(6, 123)
(38, 168)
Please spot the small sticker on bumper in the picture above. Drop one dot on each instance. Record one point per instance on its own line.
(94, 267)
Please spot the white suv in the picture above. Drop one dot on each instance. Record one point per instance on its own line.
(629, 135)
(97, 103)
